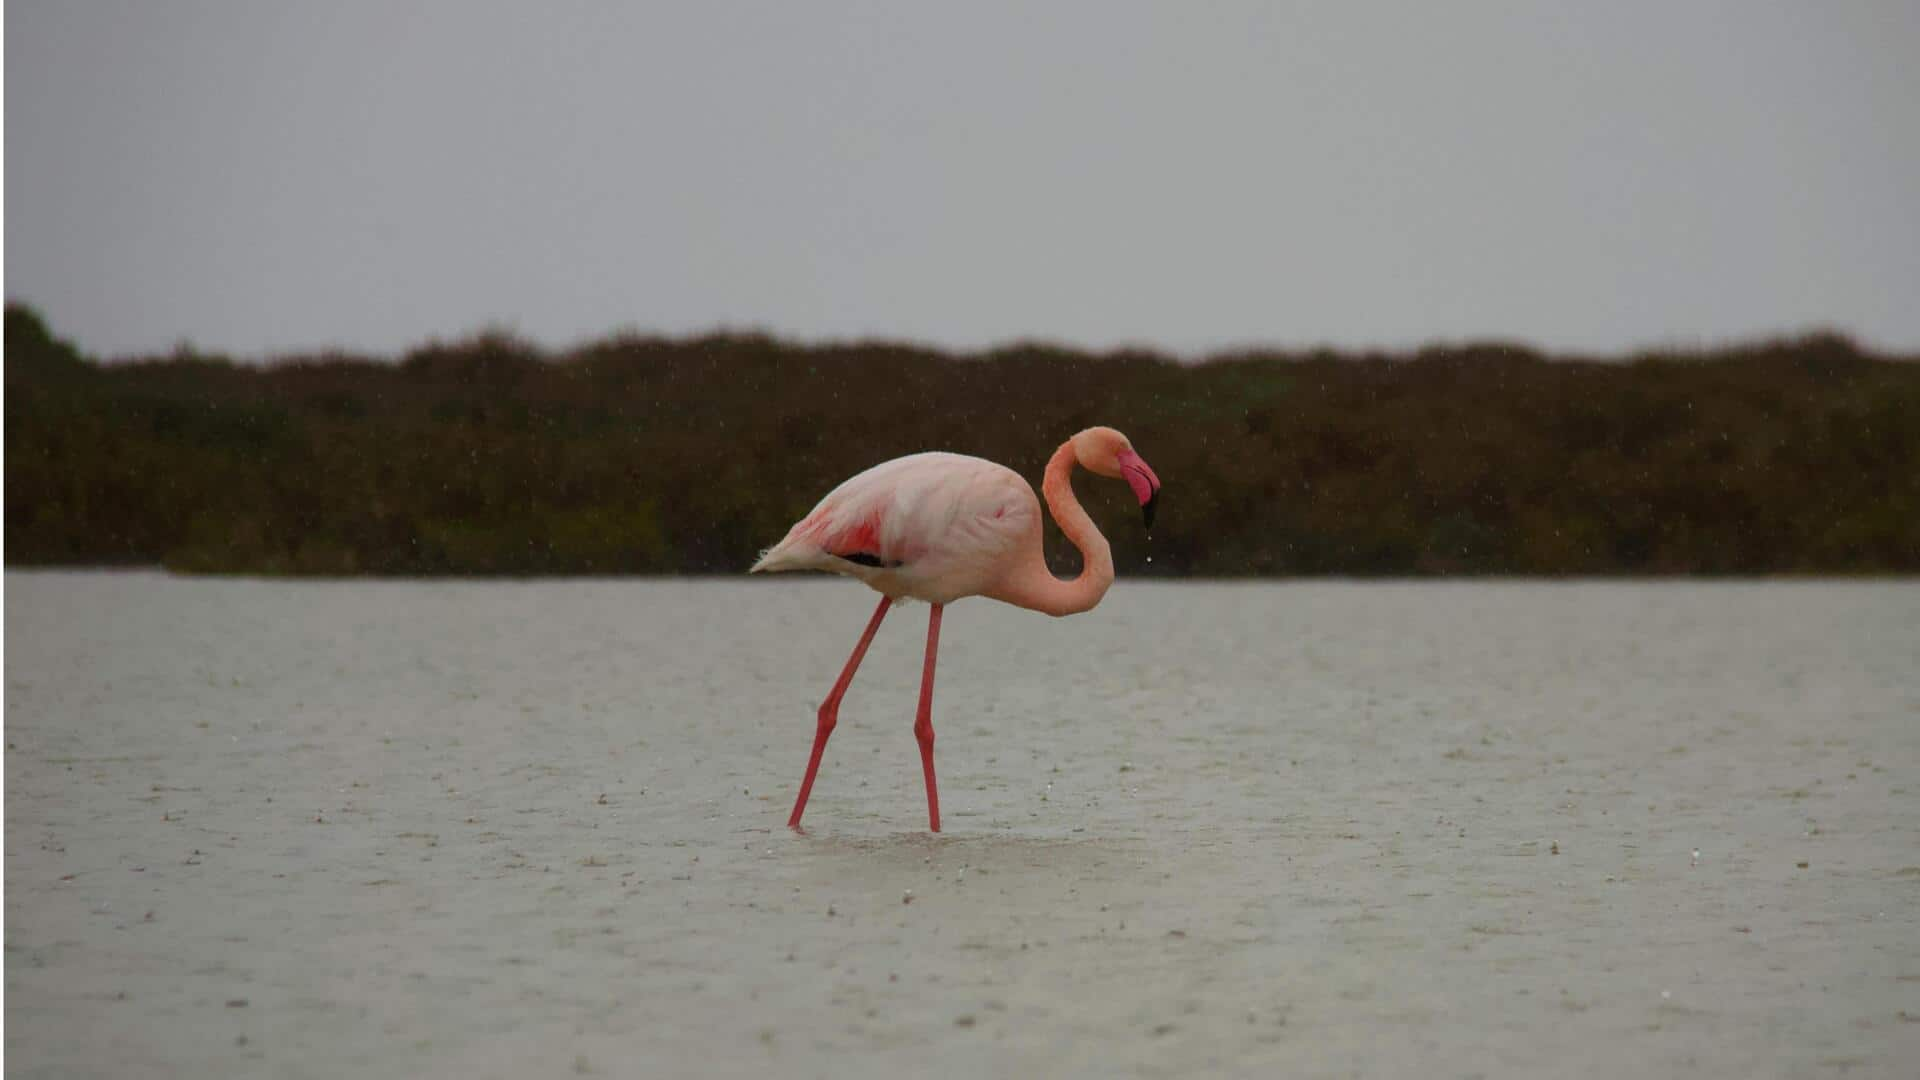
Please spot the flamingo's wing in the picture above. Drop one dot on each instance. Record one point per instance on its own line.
(927, 516)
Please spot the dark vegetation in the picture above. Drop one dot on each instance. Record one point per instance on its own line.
(647, 455)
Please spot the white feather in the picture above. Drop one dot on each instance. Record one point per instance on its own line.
(941, 524)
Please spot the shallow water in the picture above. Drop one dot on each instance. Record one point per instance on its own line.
(406, 828)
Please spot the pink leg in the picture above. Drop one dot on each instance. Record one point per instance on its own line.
(923, 724)
(830, 710)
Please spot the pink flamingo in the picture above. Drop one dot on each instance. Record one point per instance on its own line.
(937, 527)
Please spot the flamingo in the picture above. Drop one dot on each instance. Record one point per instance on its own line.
(938, 527)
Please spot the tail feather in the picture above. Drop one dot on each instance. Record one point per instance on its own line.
(788, 554)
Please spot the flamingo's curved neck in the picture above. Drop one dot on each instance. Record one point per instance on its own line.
(1033, 585)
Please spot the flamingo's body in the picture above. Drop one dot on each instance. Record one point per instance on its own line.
(938, 527)
(933, 527)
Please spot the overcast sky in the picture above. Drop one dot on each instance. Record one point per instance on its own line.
(263, 176)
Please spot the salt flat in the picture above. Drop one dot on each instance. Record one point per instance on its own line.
(1310, 829)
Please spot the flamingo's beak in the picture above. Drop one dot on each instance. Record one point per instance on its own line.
(1139, 476)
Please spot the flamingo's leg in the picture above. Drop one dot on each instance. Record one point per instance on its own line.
(830, 709)
(923, 724)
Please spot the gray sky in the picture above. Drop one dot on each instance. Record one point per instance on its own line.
(261, 176)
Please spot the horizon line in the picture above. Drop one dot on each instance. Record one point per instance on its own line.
(1226, 349)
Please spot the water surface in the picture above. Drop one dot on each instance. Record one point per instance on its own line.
(448, 828)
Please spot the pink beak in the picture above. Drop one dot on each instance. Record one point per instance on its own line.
(1140, 477)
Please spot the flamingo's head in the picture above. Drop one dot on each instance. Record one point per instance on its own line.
(1105, 452)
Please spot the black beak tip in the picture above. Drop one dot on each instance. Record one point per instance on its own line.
(1148, 507)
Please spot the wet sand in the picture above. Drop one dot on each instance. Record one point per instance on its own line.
(1329, 829)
